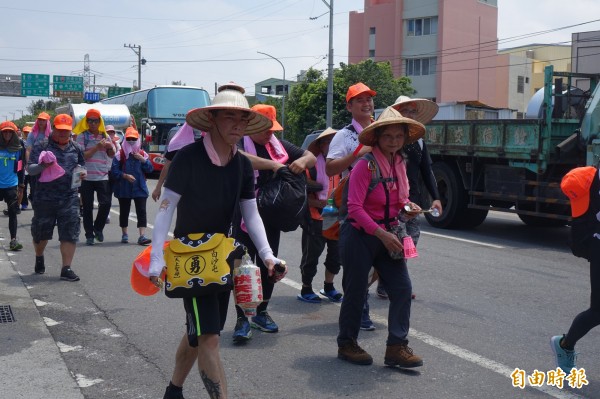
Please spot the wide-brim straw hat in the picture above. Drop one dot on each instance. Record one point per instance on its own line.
(426, 109)
(314, 146)
(390, 116)
(228, 99)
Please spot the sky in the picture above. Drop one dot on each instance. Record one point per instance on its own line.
(203, 43)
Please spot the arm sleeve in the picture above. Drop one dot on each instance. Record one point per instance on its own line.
(168, 204)
(256, 229)
(33, 168)
(427, 174)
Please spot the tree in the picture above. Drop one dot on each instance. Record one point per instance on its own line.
(306, 105)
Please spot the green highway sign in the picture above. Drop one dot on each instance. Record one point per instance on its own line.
(116, 90)
(67, 83)
(33, 84)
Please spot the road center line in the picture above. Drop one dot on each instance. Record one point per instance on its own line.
(485, 244)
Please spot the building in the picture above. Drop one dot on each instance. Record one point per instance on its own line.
(447, 48)
(273, 86)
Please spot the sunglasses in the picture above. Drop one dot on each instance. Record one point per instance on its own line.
(130, 139)
(93, 120)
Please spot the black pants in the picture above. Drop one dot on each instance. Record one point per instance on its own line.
(25, 200)
(140, 211)
(313, 244)
(9, 195)
(102, 190)
(589, 318)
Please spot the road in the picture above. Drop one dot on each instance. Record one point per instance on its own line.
(488, 301)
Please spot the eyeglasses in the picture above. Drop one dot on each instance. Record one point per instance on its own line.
(130, 139)
(93, 120)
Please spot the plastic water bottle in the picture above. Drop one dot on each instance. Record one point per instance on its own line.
(329, 214)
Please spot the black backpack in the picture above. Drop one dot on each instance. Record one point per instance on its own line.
(282, 200)
(585, 226)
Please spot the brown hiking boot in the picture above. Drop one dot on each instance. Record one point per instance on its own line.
(353, 353)
(401, 355)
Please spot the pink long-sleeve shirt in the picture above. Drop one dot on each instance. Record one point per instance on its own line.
(365, 207)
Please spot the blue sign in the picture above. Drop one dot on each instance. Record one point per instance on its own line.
(89, 96)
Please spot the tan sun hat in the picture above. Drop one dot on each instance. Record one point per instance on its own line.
(426, 109)
(232, 99)
(388, 117)
(314, 146)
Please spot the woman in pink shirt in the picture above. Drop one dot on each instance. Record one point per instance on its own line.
(365, 238)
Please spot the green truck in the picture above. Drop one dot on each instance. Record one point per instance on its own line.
(516, 165)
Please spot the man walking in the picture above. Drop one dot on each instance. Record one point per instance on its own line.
(11, 176)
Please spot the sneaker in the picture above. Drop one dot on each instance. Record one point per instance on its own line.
(125, 239)
(353, 353)
(143, 240)
(68, 275)
(108, 219)
(333, 295)
(365, 321)
(15, 245)
(264, 322)
(401, 355)
(381, 291)
(23, 207)
(173, 394)
(242, 332)
(89, 241)
(565, 359)
(39, 267)
(99, 236)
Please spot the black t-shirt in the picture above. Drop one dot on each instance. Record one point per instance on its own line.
(294, 152)
(419, 163)
(208, 192)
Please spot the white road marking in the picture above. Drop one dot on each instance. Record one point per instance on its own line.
(85, 382)
(68, 348)
(110, 333)
(485, 244)
(39, 303)
(49, 322)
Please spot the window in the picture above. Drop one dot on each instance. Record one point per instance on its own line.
(371, 54)
(265, 89)
(422, 26)
(520, 84)
(421, 66)
(372, 30)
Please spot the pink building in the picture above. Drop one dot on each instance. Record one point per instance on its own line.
(447, 47)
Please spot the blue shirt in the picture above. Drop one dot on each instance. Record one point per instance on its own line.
(8, 168)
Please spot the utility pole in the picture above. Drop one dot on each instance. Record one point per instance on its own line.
(283, 97)
(138, 50)
(329, 113)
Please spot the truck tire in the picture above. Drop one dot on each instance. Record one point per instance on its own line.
(452, 195)
(473, 218)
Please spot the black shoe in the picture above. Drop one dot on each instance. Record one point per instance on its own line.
(173, 394)
(40, 268)
(68, 274)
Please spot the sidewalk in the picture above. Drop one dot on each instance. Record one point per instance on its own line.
(31, 365)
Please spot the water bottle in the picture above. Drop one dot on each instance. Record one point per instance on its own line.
(329, 214)
(279, 270)
(78, 172)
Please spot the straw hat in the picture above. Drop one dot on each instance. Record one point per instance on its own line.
(314, 146)
(388, 117)
(426, 109)
(231, 99)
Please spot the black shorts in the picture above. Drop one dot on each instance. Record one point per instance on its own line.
(64, 214)
(205, 315)
(9, 195)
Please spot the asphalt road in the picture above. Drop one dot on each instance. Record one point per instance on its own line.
(488, 300)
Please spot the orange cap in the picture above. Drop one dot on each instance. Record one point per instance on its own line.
(140, 282)
(270, 112)
(357, 89)
(92, 113)
(26, 129)
(8, 125)
(576, 185)
(44, 116)
(131, 133)
(63, 121)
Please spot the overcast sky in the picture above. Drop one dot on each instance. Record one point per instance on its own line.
(202, 42)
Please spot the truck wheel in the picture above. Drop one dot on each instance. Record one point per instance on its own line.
(538, 221)
(452, 195)
(473, 218)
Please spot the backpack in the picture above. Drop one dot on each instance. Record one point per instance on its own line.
(282, 200)
(584, 227)
(340, 196)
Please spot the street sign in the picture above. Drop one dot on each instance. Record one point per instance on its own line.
(68, 94)
(92, 97)
(67, 83)
(116, 90)
(33, 84)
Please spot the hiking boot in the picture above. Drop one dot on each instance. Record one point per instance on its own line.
(173, 393)
(39, 267)
(242, 332)
(15, 245)
(143, 240)
(353, 353)
(365, 321)
(125, 239)
(89, 241)
(565, 359)
(68, 275)
(381, 291)
(264, 322)
(401, 355)
(99, 236)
